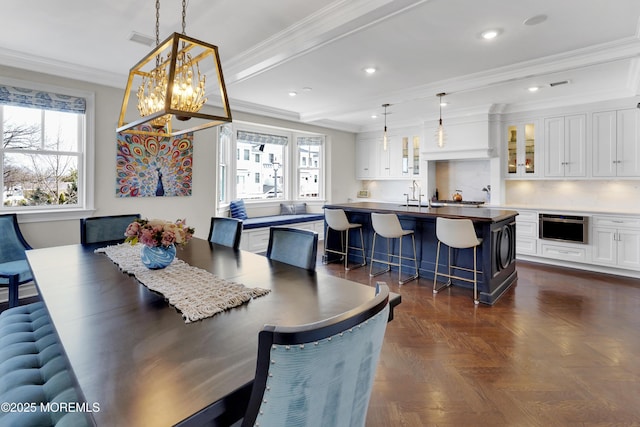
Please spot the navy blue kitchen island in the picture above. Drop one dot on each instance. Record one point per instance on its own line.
(496, 255)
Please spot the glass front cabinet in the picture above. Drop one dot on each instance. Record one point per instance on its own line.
(522, 152)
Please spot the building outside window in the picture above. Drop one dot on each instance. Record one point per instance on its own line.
(271, 164)
(269, 177)
(44, 146)
(309, 154)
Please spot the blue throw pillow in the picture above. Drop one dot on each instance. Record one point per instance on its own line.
(238, 209)
(299, 208)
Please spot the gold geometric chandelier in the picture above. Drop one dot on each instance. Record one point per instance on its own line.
(171, 87)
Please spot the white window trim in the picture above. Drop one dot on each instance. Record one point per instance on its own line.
(86, 169)
(291, 163)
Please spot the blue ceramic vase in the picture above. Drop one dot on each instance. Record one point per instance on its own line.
(158, 257)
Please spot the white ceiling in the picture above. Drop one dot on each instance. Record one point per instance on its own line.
(420, 48)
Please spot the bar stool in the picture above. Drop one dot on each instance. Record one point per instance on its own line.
(457, 234)
(388, 226)
(337, 220)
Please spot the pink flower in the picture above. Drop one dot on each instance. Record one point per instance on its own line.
(132, 229)
(157, 232)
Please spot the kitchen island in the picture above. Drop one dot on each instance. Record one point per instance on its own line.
(496, 254)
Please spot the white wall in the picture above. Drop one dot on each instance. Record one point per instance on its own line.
(197, 209)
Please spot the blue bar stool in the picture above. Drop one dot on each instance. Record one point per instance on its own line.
(388, 226)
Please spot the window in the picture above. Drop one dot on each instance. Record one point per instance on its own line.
(257, 158)
(44, 146)
(309, 152)
(269, 177)
(224, 146)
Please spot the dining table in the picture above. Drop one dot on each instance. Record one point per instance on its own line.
(137, 361)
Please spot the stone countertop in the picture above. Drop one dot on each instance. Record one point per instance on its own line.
(483, 214)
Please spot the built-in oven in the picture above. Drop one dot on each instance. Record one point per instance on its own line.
(564, 228)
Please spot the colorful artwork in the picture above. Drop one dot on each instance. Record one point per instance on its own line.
(150, 166)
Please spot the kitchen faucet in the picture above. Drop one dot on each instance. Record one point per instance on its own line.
(415, 184)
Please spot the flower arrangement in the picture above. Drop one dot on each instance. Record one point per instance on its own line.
(157, 232)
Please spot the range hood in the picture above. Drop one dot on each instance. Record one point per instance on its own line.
(463, 154)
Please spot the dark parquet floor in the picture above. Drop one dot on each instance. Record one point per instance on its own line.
(560, 348)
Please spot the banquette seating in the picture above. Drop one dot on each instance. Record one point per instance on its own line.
(255, 235)
(35, 373)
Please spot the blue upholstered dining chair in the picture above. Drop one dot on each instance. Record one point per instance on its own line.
(225, 231)
(319, 374)
(105, 229)
(293, 246)
(14, 269)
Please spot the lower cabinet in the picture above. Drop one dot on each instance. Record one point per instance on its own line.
(616, 241)
(527, 232)
(614, 244)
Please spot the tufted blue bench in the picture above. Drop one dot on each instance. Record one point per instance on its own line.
(276, 220)
(35, 384)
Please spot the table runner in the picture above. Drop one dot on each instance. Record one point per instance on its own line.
(197, 293)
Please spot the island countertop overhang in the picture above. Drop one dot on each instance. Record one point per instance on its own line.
(476, 214)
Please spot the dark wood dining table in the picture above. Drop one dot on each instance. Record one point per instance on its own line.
(133, 354)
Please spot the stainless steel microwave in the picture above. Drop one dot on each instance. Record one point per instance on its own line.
(563, 228)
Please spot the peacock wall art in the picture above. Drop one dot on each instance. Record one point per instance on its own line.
(150, 166)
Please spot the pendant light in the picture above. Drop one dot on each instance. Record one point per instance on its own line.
(171, 86)
(385, 141)
(441, 137)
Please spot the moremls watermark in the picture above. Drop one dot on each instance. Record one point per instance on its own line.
(63, 407)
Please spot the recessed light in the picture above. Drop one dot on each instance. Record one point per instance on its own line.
(293, 93)
(370, 70)
(534, 89)
(490, 34)
(374, 116)
(307, 89)
(535, 20)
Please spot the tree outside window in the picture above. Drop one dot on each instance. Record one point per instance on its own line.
(41, 155)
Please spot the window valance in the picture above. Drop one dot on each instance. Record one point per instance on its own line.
(21, 97)
(262, 138)
(310, 140)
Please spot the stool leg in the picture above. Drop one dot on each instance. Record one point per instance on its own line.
(364, 256)
(415, 261)
(435, 274)
(346, 249)
(475, 277)
(13, 291)
(373, 251)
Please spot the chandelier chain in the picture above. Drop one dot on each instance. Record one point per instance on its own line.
(184, 17)
(157, 22)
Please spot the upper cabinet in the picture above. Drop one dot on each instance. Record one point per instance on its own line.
(616, 143)
(565, 146)
(521, 157)
(400, 159)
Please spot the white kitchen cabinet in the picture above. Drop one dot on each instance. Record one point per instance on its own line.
(521, 150)
(616, 241)
(527, 232)
(616, 143)
(565, 146)
(410, 166)
(366, 159)
(401, 159)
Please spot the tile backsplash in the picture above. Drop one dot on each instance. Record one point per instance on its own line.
(468, 176)
(599, 195)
